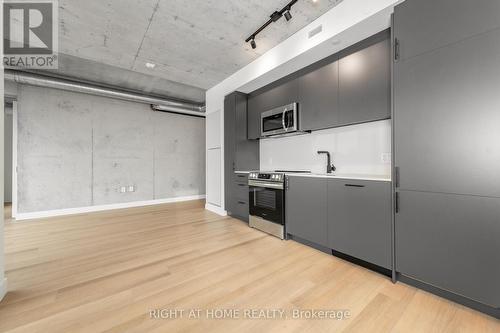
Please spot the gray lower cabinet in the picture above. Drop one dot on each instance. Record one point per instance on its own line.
(359, 220)
(270, 97)
(319, 98)
(451, 242)
(306, 209)
(365, 84)
(239, 204)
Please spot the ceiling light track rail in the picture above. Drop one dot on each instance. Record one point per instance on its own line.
(273, 18)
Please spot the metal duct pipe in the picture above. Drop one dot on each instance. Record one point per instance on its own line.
(160, 104)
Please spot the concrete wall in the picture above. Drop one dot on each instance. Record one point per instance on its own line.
(8, 155)
(77, 150)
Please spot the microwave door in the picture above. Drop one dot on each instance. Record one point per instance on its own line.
(272, 124)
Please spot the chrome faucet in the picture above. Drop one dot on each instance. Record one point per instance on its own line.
(329, 167)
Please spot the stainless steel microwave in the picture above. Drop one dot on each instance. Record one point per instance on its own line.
(279, 121)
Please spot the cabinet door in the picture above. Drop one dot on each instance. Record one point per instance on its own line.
(229, 148)
(365, 84)
(214, 177)
(306, 209)
(318, 96)
(267, 99)
(246, 151)
(359, 220)
(425, 25)
(451, 242)
(447, 118)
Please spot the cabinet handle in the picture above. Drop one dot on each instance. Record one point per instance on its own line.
(397, 176)
(242, 202)
(396, 202)
(353, 185)
(242, 185)
(396, 50)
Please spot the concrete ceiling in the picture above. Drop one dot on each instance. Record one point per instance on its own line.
(195, 44)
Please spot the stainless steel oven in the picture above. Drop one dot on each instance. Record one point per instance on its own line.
(279, 121)
(267, 202)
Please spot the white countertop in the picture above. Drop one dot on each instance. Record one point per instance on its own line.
(378, 178)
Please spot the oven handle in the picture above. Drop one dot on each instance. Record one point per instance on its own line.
(261, 184)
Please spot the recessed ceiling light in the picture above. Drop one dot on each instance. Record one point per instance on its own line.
(150, 65)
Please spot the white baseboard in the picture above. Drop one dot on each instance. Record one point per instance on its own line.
(215, 209)
(3, 288)
(92, 209)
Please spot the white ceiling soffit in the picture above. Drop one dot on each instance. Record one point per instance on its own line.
(196, 43)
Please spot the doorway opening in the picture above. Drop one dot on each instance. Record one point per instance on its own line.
(10, 158)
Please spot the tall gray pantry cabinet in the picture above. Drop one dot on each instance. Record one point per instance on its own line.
(447, 146)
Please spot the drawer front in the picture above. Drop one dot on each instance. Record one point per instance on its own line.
(241, 209)
(241, 178)
(240, 192)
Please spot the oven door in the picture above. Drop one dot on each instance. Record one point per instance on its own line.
(267, 202)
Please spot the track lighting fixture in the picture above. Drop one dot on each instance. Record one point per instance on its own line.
(254, 45)
(273, 18)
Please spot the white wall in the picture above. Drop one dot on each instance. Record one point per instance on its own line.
(357, 149)
(344, 25)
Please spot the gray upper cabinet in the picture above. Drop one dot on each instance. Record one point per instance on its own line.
(365, 84)
(447, 119)
(333, 92)
(359, 220)
(306, 209)
(272, 97)
(318, 96)
(246, 151)
(425, 25)
(451, 242)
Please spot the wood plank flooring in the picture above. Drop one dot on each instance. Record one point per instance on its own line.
(105, 272)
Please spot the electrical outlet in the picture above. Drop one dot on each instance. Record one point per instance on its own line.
(387, 158)
(131, 188)
(123, 189)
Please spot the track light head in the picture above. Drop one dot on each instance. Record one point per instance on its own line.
(275, 16)
(254, 45)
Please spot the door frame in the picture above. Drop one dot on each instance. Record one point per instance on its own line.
(14, 159)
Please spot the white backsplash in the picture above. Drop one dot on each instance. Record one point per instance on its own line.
(356, 149)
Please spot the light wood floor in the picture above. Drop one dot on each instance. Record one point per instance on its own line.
(104, 272)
